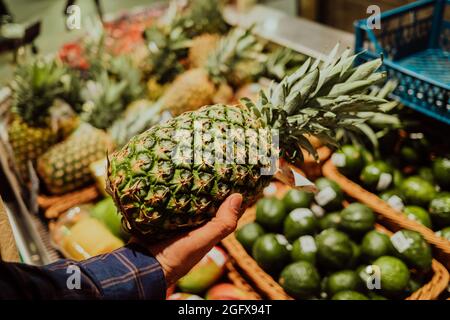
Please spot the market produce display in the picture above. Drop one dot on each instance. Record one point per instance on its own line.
(415, 185)
(334, 255)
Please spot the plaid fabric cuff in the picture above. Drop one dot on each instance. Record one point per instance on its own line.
(127, 273)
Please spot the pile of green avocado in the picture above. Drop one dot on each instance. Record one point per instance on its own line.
(411, 181)
(317, 249)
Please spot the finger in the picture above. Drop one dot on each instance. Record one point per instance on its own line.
(205, 237)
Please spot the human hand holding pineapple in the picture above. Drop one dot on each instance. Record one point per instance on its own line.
(177, 256)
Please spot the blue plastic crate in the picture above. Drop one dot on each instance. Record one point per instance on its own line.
(415, 42)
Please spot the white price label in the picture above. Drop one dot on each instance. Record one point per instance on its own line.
(325, 196)
(308, 244)
(300, 213)
(400, 242)
(318, 210)
(396, 202)
(338, 159)
(384, 181)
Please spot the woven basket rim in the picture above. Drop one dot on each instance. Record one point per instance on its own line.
(270, 287)
(441, 245)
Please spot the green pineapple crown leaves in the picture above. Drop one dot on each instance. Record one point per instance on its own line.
(319, 99)
(237, 46)
(103, 100)
(282, 62)
(35, 86)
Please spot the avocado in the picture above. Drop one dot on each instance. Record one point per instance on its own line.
(270, 213)
(334, 249)
(271, 252)
(349, 295)
(440, 210)
(330, 195)
(294, 199)
(441, 171)
(377, 176)
(394, 274)
(348, 159)
(374, 245)
(304, 249)
(248, 234)
(417, 191)
(299, 222)
(417, 214)
(301, 280)
(330, 220)
(412, 248)
(357, 219)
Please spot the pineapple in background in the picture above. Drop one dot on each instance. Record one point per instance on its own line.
(198, 87)
(200, 49)
(39, 119)
(160, 196)
(104, 101)
(65, 166)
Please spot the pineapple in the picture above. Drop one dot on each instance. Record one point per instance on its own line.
(39, 119)
(103, 100)
(65, 166)
(197, 87)
(200, 49)
(160, 193)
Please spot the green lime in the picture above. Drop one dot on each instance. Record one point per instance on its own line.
(294, 199)
(356, 254)
(444, 233)
(248, 234)
(413, 286)
(418, 214)
(357, 219)
(410, 155)
(441, 170)
(330, 220)
(334, 249)
(417, 191)
(330, 195)
(305, 249)
(440, 210)
(394, 198)
(271, 252)
(398, 177)
(349, 295)
(374, 245)
(343, 280)
(377, 176)
(348, 159)
(299, 222)
(394, 274)
(412, 248)
(375, 296)
(415, 150)
(300, 280)
(270, 213)
(427, 174)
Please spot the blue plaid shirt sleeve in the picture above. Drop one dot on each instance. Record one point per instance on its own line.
(126, 273)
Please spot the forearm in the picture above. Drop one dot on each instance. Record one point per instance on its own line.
(127, 273)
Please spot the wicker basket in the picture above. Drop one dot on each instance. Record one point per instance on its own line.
(313, 168)
(62, 203)
(393, 218)
(235, 278)
(8, 249)
(272, 290)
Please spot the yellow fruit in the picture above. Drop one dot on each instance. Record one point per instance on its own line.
(190, 91)
(89, 237)
(201, 48)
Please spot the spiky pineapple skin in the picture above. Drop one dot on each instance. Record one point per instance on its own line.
(65, 166)
(29, 143)
(201, 48)
(190, 91)
(158, 197)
